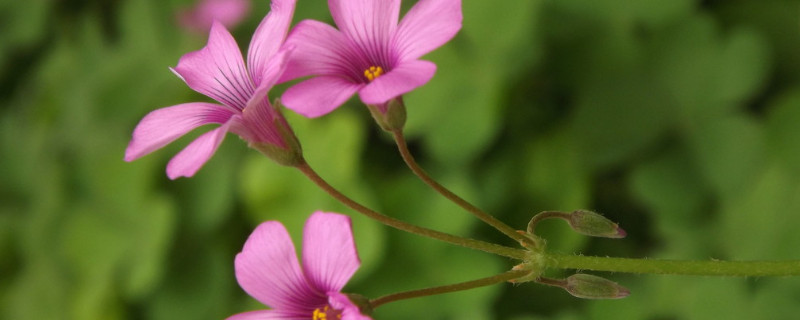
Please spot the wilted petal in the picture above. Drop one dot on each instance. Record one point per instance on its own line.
(162, 126)
(268, 270)
(350, 311)
(427, 26)
(268, 315)
(196, 154)
(400, 80)
(269, 37)
(217, 70)
(319, 96)
(329, 252)
(370, 23)
(322, 50)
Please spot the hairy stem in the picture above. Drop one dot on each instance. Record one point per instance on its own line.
(480, 214)
(398, 224)
(503, 277)
(676, 267)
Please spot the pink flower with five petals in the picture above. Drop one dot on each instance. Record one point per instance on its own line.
(268, 270)
(370, 53)
(218, 71)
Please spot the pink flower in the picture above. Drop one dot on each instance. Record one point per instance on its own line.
(202, 16)
(370, 53)
(219, 72)
(268, 270)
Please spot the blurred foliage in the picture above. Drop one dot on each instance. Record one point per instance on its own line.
(676, 118)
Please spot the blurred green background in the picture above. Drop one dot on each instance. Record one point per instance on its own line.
(676, 118)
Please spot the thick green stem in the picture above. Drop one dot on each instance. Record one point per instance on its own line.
(676, 267)
(477, 212)
(395, 223)
(503, 277)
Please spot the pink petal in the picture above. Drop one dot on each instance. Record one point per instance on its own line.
(370, 23)
(322, 50)
(268, 315)
(269, 37)
(196, 154)
(319, 96)
(258, 117)
(162, 126)
(350, 311)
(329, 252)
(217, 70)
(271, 72)
(427, 26)
(268, 270)
(402, 79)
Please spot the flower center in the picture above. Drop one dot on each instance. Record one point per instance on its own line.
(373, 72)
(326, 313)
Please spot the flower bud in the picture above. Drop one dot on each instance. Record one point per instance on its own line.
(587, 286)
(595, 225)
(390, 116)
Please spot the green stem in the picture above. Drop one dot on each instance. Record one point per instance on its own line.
(480, 214)
(676, 267)
(395, 223)
(544, 215)
(503, 277)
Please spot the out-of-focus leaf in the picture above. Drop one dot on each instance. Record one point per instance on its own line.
(729, 152)
(211, 194)
(777, 21)
(457, 114)
(39, 292)
(668, 187)
(707, 73)
(22, 23)
(200, 285)
(150, 242)
(619, 117)
(753, 225)
(783, 131)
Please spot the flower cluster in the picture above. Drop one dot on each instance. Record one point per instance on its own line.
(372, 52)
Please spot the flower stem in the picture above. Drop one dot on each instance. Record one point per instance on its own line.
(503, 277)
(398, 224)
(480, 214)
(676, 267)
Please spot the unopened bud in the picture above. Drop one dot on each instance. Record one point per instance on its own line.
(595, 225)
(587, 286)
(390, 116)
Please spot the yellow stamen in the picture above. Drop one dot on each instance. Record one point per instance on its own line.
(373, 72)
(324, 312)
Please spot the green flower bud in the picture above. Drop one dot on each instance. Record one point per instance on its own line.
(595, 225)
(390, 116)
(587, 286)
